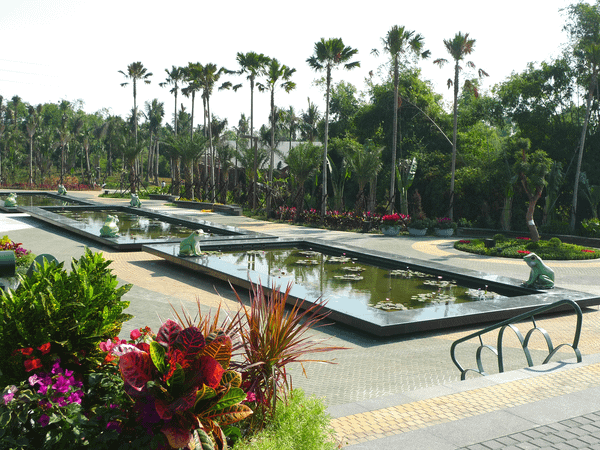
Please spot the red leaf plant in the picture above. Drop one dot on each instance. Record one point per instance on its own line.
(181, 384)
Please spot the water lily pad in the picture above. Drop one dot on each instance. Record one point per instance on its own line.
(348, 277)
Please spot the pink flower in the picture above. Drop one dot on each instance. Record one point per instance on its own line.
(135, 334)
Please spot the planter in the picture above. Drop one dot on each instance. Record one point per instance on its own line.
(391, 230)
(417, 231)
(445, 232)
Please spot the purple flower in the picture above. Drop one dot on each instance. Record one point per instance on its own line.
(62, 384)
(112, 425)
(44, 420)
(75, 397)
(10, 395)
(56, 369)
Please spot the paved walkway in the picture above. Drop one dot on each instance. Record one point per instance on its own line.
(396, 392)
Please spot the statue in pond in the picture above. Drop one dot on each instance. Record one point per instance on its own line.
(11, 200)
(61, 190)
(541, 276)
(110, 227)
(190, 246)
(135, 201)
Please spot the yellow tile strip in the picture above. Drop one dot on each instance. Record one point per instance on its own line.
(377, 424)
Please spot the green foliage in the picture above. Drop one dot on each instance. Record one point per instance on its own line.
(519, 247)
(590, 227)
(555, 242)
(556, 227)
(499, 237)
(72, 310)
(298, 424)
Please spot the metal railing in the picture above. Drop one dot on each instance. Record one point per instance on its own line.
(509, 323)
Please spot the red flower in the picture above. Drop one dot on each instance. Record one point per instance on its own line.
(524, 238)
(523, 252)
(44, 348)
(135, 334)
(32, 364)
(26, 351)
(464, 241)
(588, 251)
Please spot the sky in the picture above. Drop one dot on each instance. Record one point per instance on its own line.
(73, 49)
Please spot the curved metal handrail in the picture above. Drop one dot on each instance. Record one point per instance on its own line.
(523, 340)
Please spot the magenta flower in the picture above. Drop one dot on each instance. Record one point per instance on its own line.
(44, 420)
(62, 384)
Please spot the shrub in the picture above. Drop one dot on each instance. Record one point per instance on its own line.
(299, 424)
(532, 246)
(591, 227)
(556, 227)
(499, 237)
(554, 242)
(71, 311)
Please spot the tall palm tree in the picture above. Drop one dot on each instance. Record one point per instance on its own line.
(136, 71)
(253, 65)
(459, 47)
(398, 42)
(192, 75)
(32, 123)
(209, 76)
(277, 75)
(155, 111)
(329, 54)
(174, 77)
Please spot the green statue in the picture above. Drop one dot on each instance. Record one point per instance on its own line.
(61, 190)
(541, 276)
(190, 246)
(110, 227)
(11, 200)
(135, 201)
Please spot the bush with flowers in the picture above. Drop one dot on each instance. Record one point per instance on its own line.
(445, 223)
(71, 384)
(23, 257)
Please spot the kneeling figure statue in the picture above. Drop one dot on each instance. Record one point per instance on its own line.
(62, 190)
(190, 246)
(541, 276)
(11, 200)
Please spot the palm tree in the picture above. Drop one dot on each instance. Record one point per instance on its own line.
(310, 119)
(188, 148)
(209, 76)
(397, 43)
(329, 54)
(253, 65)
(365, 164)
(33, 122)
(136, 71)
(155, 112)
(174, 77)
(302, 161)
(277, 74)
(459, 47)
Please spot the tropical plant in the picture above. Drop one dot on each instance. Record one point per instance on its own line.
(592, 194)
(174, 77)
(155, 111)
(181, 379)
(303, 161)
(310, 120)
(445, 223)
(276, 75)
(458, 47)
(329, 54)
(365, 163)
(397, 43)
(273, 338)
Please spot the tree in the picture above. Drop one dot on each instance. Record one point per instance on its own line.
(155, 112)
(397, 43)
(531, 169)
(365, 164)
(302, 161)
(584, 30)
(187, 148)
(276, 75)
(136, 72)
(310, 120)
(459, 47)
(174, 77)
(253, 65)
(329, 54)
(32, 124)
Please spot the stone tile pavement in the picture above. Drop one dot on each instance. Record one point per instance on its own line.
(395, 392)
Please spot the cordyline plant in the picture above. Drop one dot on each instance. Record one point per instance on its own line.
(182, 386)
(273, 337)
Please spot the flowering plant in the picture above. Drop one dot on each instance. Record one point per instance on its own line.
(181, 385)
(391, 219)
(445, 223)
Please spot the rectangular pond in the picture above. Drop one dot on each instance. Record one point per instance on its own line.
(38, 198)
(137, 226)
(382, 299)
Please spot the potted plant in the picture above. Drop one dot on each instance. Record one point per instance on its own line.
(419, 226)
(391, 224)
(445, 226)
